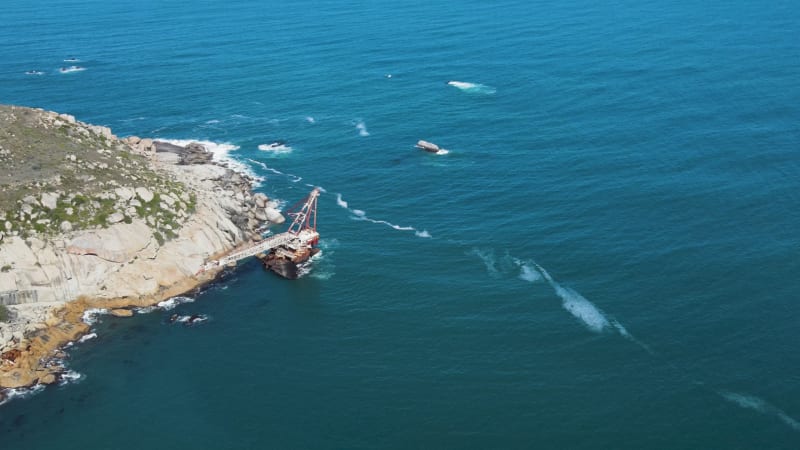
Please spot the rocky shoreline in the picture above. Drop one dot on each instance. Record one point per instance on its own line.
(159, 224)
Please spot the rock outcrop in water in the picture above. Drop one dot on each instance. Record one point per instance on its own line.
(91, 221)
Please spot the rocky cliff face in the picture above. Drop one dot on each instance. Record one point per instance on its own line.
(114, 220)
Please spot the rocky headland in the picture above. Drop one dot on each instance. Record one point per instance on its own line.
(89, 220)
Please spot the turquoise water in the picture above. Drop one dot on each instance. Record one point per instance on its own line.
(607, 257)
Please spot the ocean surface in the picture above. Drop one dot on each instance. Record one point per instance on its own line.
(607, 257)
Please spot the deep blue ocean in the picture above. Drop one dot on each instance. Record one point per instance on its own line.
(607, 258)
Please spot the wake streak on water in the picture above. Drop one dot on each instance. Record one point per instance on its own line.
(473, 88)
(759, 405)
(292, 178)
(596, 321)
(580, 307)
(358, 214)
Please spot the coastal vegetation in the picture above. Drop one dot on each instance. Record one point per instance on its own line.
(58, 175)
(3, 313)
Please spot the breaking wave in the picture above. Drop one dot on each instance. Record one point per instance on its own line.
(70, 376)
(10, 394)
(90, 316)
(275, 147)
(221, 154)
(310, 119)
(172, 303)
(87, 337)
(474, 88)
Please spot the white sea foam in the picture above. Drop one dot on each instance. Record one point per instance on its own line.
(70, 376)
(34, 72)
(442, 152)
(275, 147)
(358, 214)
(310, 119)
(324, 269)
(489, 260)
(341, 202)
(475, 88)
(582, 309)
(577, 305)
(72, 60)
(90, 316)
(292, 178)
(760, 405)
(173, 302)
(221, 153)
(191, 319)
(362, 128)
(87, 337)
(624, 333)
(71, 69)
(528, 272)
(11, 394)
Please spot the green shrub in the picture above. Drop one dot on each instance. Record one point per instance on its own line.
(5, 268)
(3, 313)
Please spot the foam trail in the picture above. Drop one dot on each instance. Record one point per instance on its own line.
(310, 119)
(489, 260)
(582, 309)
(544, 273)
(527, 272)
(759, 405)
(362, 128)
(475, 88)
(359, 214)
(294, 178)
(578, 305)
(624, 332)
(341, 202)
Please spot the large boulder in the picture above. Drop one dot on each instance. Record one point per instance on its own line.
(144, 193)
(274, 216)
(260, 200)
(124, 193)
(49, 200)
(116, 244)
(117, 217)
